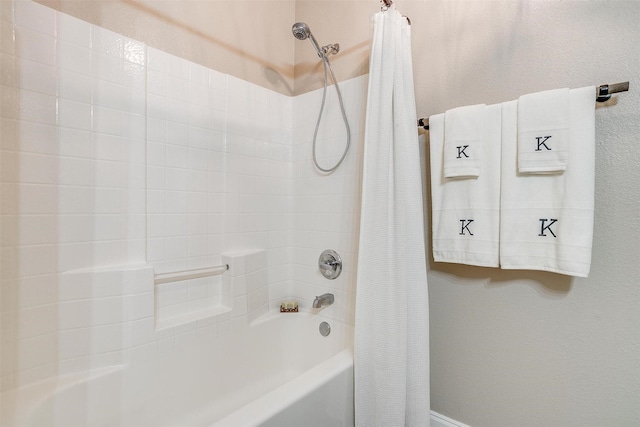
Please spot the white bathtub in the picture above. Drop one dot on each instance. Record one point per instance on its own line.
(279, 372)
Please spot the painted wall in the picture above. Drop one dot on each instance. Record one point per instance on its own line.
(529, 348)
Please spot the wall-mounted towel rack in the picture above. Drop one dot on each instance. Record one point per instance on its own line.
(603, 93)
(178, 276)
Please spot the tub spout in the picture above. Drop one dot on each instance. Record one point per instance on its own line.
(323, 301)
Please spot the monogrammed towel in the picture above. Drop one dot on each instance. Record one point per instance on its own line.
(543, 131)
(462, 155)
(546, 220)
(466, 211)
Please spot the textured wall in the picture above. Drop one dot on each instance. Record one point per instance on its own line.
(530, 348)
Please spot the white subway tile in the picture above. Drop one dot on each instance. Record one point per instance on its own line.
(107, 310)
(156, 249)
(37, 138)
(73, 58)
(197, 202)
(177, 247)
(36, 321)
(197, 246)
(35, 352)
(176, 202)
(177, 67)
(134, 51)
(156, 225)
(37, 107)
(37, 290)
(134, 76)
(35, 17)
(73, 114)
(176, 156)
(106, 67)
(156, 82)
(176, 179)
(107, 338)
(139, 306)
(106, 120)
(75, 314)
(107, 200)
(157, 59)
(75, 86)
(36, 76)
(74, 345)
(73, 30)
(35, 168)
(108, 147)
(107, 42)
(239, 306)
(75, 171)
(177, 133)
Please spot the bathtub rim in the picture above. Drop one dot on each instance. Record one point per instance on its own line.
(281, 397)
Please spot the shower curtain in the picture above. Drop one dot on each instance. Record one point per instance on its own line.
(392, 324)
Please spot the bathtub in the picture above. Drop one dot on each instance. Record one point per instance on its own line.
(279, 372)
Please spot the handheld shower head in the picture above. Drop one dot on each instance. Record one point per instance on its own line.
(301, 31)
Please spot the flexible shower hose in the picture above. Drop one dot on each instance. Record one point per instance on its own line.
(325, 63)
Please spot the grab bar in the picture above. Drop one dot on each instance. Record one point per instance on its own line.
(178, 276)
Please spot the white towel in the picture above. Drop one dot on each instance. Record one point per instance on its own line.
(462, 141)
(543, 131)
(546, 221)
(466, 211)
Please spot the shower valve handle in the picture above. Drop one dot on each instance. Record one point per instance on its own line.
(330, 264)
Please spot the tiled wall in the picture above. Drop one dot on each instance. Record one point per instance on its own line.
(327, 206)
(115, 155)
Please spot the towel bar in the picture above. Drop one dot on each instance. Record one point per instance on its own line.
(603, 93)
(178, 276)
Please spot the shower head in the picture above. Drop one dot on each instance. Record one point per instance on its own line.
(301, 31)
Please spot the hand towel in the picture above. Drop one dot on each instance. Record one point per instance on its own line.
(462, 141)
(543, 131)
(546, 221)
(465, 220)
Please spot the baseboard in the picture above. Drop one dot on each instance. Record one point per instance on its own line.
(438, 420)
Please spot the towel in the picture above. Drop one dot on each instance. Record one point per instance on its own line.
(546, 221)
(543, 131)
(465, 220)
(462, 139)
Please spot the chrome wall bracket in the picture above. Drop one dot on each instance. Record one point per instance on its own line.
(330, 264)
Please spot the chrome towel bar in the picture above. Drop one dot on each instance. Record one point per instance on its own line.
(178, 276)
(603, 93)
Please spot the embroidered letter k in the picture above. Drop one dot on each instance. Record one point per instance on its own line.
(541, 143)
(464, 223)
(461, 152)
(547, 227)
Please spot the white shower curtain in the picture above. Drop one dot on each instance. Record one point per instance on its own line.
(392, 312)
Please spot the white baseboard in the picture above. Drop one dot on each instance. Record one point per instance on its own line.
(438, 420)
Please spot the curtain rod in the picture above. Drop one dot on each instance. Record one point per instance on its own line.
(603, 93)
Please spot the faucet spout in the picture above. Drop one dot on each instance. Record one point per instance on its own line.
(323, 300)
